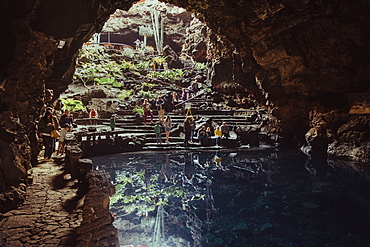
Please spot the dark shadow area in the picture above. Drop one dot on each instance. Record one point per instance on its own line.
(70, 239)
(72, 204)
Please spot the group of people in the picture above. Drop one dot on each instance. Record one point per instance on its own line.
(51, 129)
(204, 134)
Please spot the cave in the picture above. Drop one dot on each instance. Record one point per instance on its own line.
(305, 62)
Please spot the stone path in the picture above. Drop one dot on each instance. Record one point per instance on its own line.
(48, 216)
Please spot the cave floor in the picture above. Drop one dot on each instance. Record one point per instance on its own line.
(50, 214)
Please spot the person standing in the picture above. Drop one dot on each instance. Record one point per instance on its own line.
(112, 122)
(62, 137)
(188, 126)
(159, 104)
(174, 100)
(157, 130)
(192, 129)
(195, 87)
(137, 44)
(55, 123)
(218, 134)
(190, 91)
(93, 115)
(45, 127)
(167, 127)
(147, 111)
(184, 95)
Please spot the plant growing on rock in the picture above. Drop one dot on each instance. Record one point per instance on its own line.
(171, 74)
(146, 95)
(73, 104)
(108, 81)
(139, 110)
(125, 94)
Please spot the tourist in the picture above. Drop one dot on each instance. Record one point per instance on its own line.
(137, 44)
(147, 111)
(55, 122)
(157, 130)
(202, 135)
(184, 94)
(195, 87)
(225, 130)
(112, 122)
(159, 104)
(218, 134)
(66, 118)
(63, 134)
(167, 127)
(189, 127)
(175, 99)
(190, 92)
(208, 136)
(45, 127)
(93, 115)
(192, 128)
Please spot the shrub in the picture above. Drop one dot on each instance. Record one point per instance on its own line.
(73, 104)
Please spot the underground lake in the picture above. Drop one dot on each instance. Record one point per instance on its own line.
(237, 198)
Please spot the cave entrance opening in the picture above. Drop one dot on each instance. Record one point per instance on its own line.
(151, 47)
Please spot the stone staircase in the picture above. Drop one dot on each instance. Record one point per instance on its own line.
(130, 126)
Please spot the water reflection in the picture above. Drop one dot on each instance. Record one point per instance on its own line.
(236, 199)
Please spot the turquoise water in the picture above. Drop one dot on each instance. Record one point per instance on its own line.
(241, 198)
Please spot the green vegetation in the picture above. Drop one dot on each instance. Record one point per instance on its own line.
(146, 95)
(139, 110)
(171, 74)
(200, 65)
(107, 81)
(125, 94)
(72, 104)
(149, 84)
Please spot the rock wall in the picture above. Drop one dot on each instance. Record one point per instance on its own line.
(33, 72)
(292, 57)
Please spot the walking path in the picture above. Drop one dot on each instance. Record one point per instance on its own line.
(48, 217)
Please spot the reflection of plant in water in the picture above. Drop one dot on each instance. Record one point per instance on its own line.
(143, 193)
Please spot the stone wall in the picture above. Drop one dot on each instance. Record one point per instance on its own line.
(96, 187)
(96, 227)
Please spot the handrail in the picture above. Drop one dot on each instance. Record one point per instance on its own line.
(184, 101)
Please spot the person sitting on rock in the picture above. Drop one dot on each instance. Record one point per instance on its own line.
(202, 135)
(225, 130)
(207, 141)
(218, 134)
